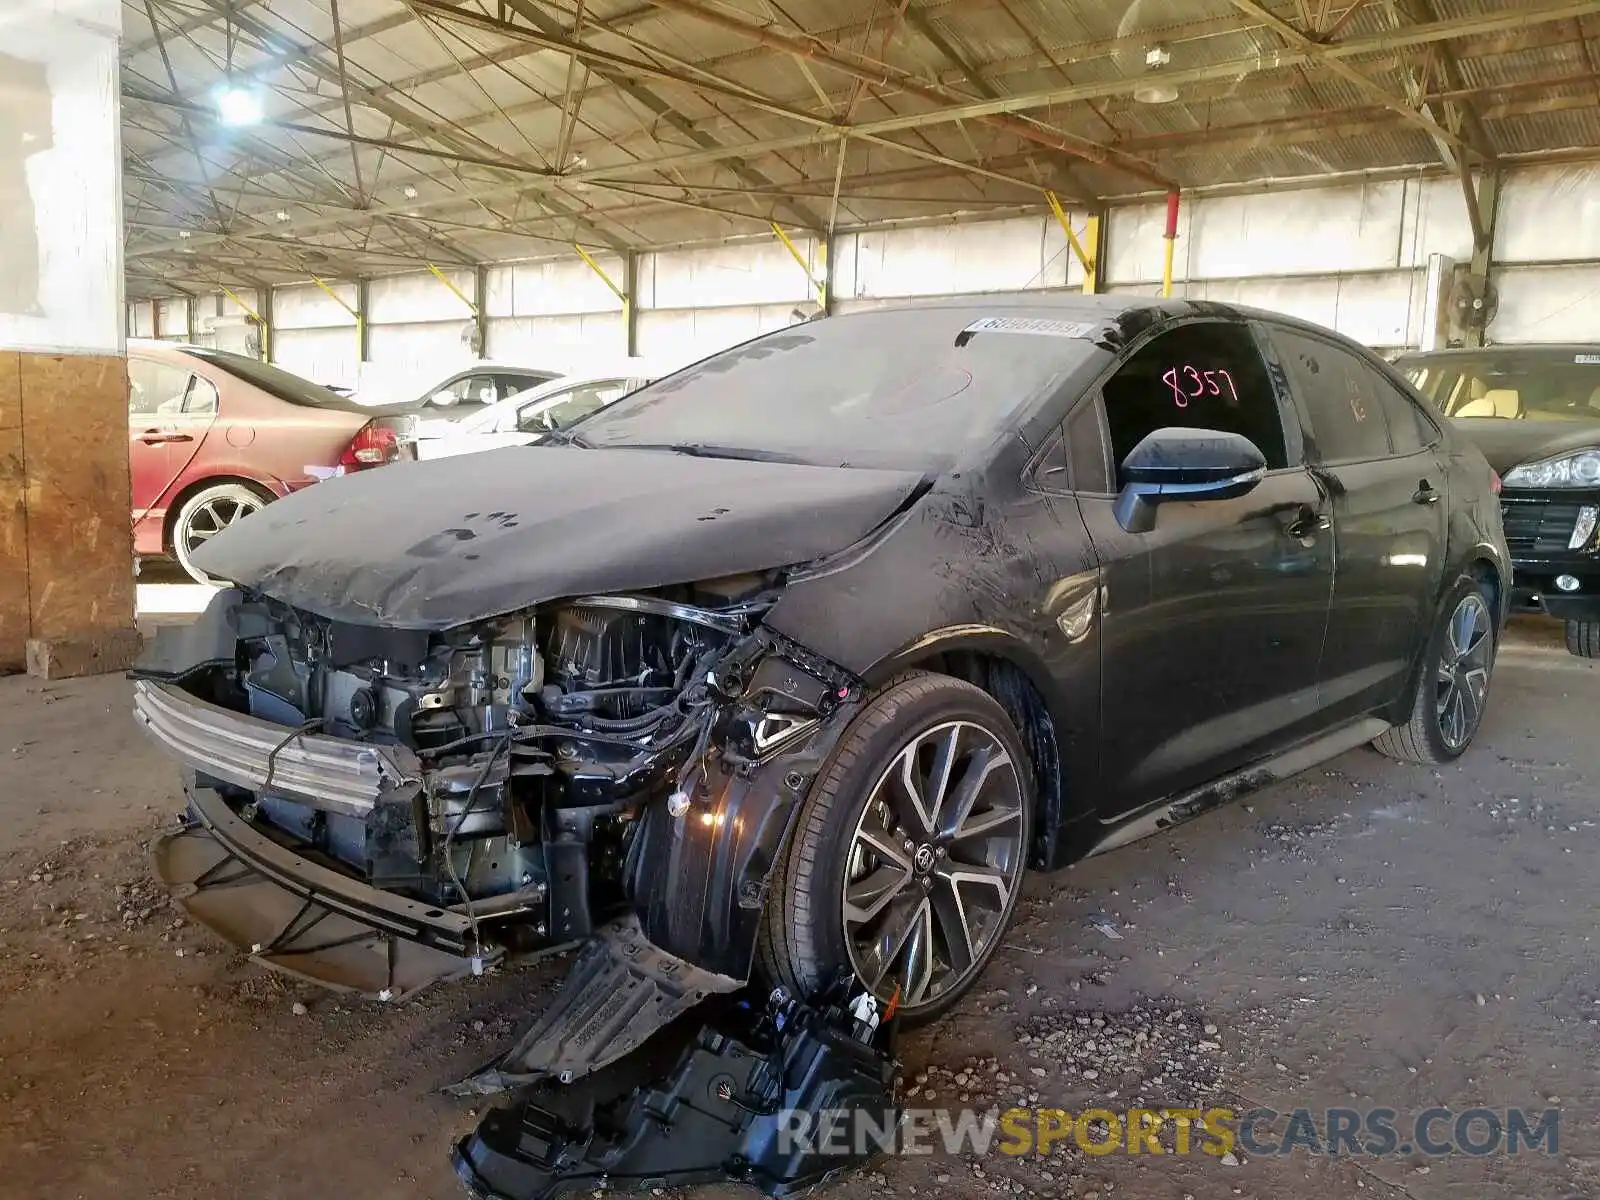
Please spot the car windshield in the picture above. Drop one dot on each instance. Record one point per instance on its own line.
(1528, 385)
(275, 381)
(907, 388)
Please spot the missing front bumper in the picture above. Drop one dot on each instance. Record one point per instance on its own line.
(296, 916)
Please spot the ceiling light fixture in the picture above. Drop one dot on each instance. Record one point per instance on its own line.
(238, 106)
(1155, 58)
(1155, 93)
(409, 192)
(280, 216)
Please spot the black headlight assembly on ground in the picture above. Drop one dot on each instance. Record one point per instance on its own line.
(737, 1101)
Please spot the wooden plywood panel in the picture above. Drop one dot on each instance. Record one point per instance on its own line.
(80, 538)
(13, 518)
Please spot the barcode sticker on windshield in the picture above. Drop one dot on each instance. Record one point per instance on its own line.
(1035, 325)
(1586, 359)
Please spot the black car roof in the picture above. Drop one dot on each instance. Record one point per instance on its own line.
(1117, 307)
(1057, 302)
(1541, 350)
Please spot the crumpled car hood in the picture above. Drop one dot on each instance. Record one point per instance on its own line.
(1507, 444)
(431, 545)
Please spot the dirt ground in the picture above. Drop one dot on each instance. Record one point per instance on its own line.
(1365, 935)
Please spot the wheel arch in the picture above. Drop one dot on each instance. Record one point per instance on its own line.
(1486, 570)
(1004, 667)
(1481, 565)
(190, 490)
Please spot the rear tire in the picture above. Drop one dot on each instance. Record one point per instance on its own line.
(847, 892)
(1583, 639)
(207, 513)
(1454, 683)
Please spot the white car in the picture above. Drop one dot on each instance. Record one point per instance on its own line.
(529, 415)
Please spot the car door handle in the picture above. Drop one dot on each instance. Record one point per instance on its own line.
(157, 437)
(1308, 522)
(1425, 494)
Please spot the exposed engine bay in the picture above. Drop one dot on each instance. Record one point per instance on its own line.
(520, 781)
(535, 733)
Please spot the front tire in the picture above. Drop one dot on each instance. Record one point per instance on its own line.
(207, 513)
(1583, 639)
(907, 859)
(1454, 685)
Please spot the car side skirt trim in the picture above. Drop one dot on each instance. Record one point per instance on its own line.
(1165, 814)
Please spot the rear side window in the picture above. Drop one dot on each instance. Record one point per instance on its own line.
(1409, 428)
(1343, 397)
(202, 397)
(155, 389)
(1203, 376)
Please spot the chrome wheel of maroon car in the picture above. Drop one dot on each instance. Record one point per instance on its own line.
(207, 514)
(1463, 677)
(934, 864)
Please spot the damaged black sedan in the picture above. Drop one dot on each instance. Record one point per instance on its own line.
(794, 662)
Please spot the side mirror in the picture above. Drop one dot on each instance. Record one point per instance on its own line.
(1185, 464)
(444, 398)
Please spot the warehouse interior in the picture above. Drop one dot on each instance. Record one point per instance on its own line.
(688, 172)
(373, 194)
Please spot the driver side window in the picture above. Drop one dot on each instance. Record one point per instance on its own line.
(1208, 375)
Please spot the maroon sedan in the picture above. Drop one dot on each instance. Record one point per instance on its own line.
(214, 436)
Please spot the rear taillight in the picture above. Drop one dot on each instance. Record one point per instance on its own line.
(372, 446)
(1494, 480)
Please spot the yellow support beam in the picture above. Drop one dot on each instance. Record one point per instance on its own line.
(1091, 269)
(266, 333)
(234, 296)
(794, 252)
(589, 261)
(619, 293)
(361, 321)
(459, 294)
(337, 299)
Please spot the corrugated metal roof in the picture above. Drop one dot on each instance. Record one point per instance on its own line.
(460, 122)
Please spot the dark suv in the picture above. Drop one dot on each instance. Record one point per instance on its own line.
(1534, 411)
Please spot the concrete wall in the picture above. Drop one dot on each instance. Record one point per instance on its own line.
(1352, 255)
(1548, 245)
(315, 334)
(552, 312)
(1352, 258)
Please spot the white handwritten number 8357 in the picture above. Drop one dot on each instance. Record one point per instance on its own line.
(1203, 383)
